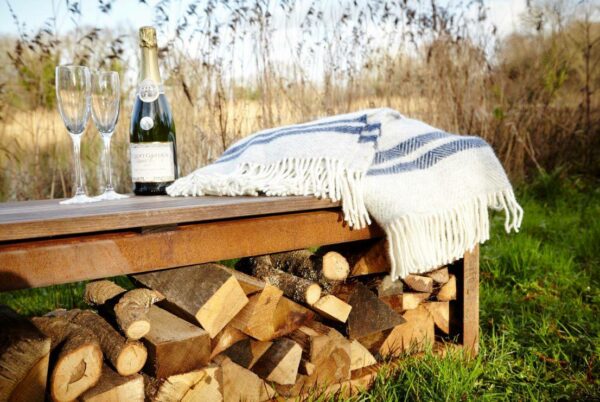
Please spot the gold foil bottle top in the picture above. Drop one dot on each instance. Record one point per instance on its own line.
(147, 37)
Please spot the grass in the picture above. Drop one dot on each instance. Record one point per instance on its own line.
(540, 303)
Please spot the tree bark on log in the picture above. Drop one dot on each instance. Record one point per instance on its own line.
(130, 308)
(78, 363)
(326, 270)
(24, 356)
(297, 288)
(126, 356)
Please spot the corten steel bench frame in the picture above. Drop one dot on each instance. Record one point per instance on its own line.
(43, 243)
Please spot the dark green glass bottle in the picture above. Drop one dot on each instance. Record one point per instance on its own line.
(152, 134)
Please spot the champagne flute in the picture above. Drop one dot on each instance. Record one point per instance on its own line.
(105, 113)
(73, 88)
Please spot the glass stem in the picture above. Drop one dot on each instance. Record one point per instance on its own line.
(107, 163)
(78, 171)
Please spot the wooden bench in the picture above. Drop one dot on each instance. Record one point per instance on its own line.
(43, 243)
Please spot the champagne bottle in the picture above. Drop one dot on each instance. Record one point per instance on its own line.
(152, 132)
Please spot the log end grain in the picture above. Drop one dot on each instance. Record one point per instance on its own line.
(76, 372)
(335, 266)
(313, 293)
(131, 359)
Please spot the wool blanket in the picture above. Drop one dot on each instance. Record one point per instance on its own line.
(429, 190)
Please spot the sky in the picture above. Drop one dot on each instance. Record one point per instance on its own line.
(130, 14)
(34, 13)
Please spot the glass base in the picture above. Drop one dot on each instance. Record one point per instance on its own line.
(78, 199)
(110, 195)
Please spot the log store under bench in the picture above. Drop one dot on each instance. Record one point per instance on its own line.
(286, 322)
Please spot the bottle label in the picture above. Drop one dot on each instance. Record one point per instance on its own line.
(148, 90)
(152, 162)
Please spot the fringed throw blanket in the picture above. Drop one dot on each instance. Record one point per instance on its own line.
(429, 190)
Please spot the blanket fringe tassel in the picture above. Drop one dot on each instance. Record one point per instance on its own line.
(321, 177)
(418, 244)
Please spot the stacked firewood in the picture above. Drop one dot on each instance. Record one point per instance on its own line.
(278, 326)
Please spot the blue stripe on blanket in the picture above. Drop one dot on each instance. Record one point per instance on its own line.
(367, 133)
(291, 129)
(339, 130)
(406, 147)
(432, 157)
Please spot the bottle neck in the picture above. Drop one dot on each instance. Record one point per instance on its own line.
(149, 69)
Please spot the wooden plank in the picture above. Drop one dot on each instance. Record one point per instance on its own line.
(464, 311)
(46, 262)
(469, 293)
(37, 219)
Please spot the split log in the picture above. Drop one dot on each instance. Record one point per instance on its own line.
(198, 385)
(296, 288)
(369, 314)
(114, 387)
(78, 362)
(305, 389)
(240, 384)
(405, 301)
(419, 283)
(247, 351)
(360, 356)
(249, 283)
(327, 349)
(270, 315)
(386, 286)
(280, 362)
(306, 367)
(224, 339)
(374, 341)
(333, 308)
(209, 293)
(448, 291)
(174, 345)
(130, 308)
(126, 356)
(412, 336)
(326, 269)
(24, 355)
(364, 258)
(440, 275)
(440, 311)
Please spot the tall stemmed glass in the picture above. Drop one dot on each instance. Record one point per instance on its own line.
(105, 113)
(73, 89)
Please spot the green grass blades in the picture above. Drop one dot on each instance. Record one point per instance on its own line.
(540, 310)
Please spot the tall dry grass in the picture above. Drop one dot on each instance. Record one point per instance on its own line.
(532, 95)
